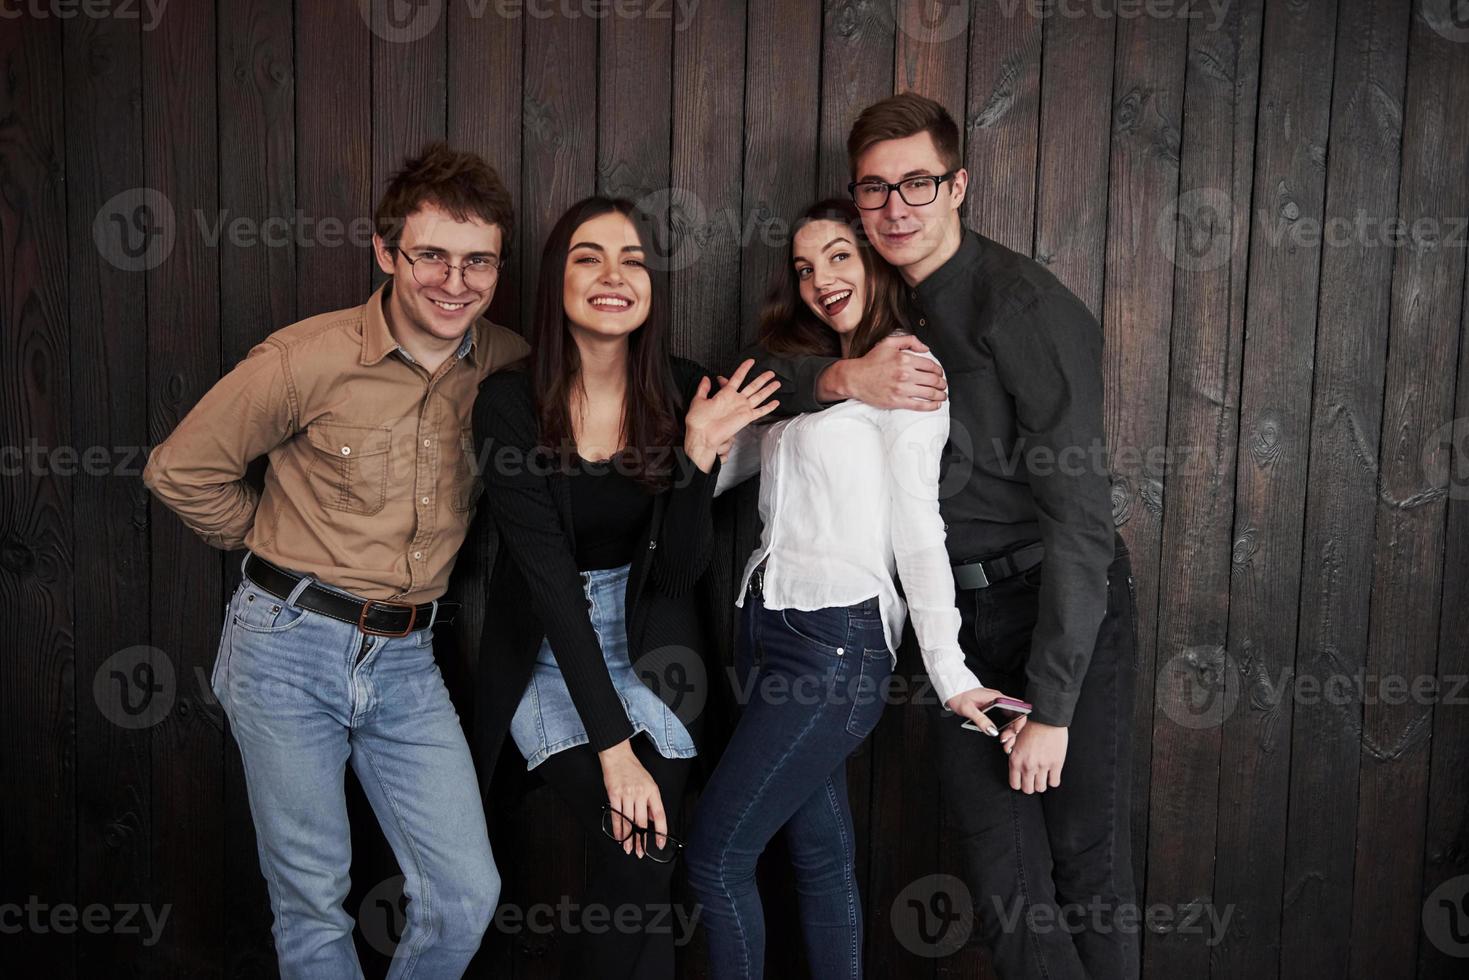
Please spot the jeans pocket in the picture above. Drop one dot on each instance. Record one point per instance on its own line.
(256, 611)
(219, 674)
(867, 691)
(826, 628)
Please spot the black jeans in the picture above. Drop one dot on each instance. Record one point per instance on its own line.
(1050, 873)
(601, 949)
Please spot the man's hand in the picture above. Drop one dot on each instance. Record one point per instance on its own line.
(886, 377)
(1036, 757)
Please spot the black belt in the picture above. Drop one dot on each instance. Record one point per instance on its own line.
(376, 617)
(982, 574)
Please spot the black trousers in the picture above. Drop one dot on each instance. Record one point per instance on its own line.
(1050, 873)
(606, 951)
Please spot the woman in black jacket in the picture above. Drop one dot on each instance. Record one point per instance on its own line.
(599, 461)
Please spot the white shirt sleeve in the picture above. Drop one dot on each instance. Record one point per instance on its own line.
(743, 462)
(915, 442)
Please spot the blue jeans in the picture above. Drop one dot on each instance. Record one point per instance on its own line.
(811, 684)
(304, 694)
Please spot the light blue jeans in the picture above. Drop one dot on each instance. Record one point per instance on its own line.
(546, 721)
(304, 694)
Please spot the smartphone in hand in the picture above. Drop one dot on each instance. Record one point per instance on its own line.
(1008, 708)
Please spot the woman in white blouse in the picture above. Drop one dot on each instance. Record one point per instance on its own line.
(849, 499)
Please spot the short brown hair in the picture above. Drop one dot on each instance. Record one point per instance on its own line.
(458, 181)
(900, 116)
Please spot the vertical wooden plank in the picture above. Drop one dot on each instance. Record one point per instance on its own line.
(857, 62)
(180, 163)
(1336, 571)
(105, 160)
(44, 694)
(1402, 639)
(484, 93)
(1147, 104)
(333, 185)
(1002, 124)
(558, 141)
(1209, 226)
(559, 162)
(782, 134)
(703, 263)
(334, 136)
(1446, 841)
(930, 50)
(257, 232)
(1270, 486)
(1071, 199)
(485, 117)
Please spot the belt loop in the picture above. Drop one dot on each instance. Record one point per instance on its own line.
(433, 615)
(301, 585)
(245, 561)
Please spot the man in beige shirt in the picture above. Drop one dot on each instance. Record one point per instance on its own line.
(327, 654)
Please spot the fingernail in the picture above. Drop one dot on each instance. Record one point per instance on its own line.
(993, 730)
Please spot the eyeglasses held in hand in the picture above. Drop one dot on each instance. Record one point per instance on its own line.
(661, 854)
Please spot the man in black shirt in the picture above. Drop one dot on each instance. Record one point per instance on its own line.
(1042, 580)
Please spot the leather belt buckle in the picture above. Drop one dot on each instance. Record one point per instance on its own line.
(367, 608)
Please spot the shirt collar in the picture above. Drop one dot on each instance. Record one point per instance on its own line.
(377, 339)
(964, 260)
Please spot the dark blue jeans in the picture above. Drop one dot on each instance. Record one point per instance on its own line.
(812, 687)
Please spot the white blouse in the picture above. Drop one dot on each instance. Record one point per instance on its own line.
(849, 498)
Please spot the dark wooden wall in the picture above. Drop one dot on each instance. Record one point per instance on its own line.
(1280, 411)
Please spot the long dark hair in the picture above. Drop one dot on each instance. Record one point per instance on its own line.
(787, 325)
(651, 414)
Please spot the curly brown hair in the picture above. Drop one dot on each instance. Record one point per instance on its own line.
(458, 181)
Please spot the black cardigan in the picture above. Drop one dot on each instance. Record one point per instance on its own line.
(535, 589)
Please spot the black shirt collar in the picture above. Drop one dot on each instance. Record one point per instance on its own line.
(960, 266)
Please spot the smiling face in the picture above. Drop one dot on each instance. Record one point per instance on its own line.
(915, 239)
(442, 313)
(830, 275)
(606, 289)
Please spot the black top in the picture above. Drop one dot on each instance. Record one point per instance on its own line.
(535, 588)
(1023, 357)
(609, 510)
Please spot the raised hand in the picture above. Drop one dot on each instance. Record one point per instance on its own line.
(712, 422)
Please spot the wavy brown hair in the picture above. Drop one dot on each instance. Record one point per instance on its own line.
(652, 412)
(789, 327)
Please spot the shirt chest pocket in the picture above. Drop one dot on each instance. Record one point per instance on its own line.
(467, 483)
(349, 466)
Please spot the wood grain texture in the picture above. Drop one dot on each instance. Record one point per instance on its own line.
(1301, 517)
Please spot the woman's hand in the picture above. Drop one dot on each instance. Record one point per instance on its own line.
(971, 705)
(631, 791)
(711, 423)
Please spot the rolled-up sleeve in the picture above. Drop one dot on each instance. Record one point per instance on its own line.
(199, 470)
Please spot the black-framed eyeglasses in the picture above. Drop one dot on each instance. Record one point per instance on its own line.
(432, 269)
(661, 854)
(869, 195)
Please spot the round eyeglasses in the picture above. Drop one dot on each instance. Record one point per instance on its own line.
(432, 269)
(661, 850)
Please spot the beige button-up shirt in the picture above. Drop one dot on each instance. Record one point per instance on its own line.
(371, 484)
